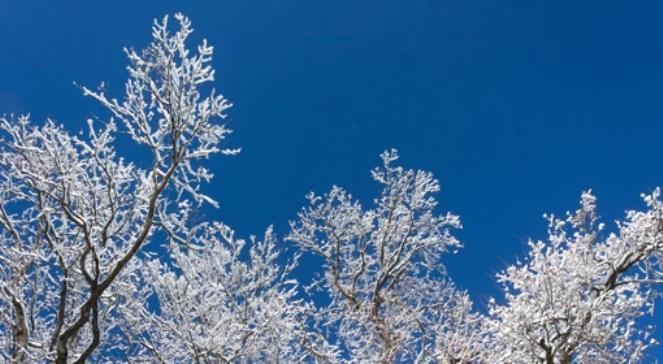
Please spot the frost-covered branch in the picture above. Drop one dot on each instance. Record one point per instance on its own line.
(214, 306)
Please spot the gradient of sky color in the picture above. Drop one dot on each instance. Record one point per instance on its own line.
(517, 106)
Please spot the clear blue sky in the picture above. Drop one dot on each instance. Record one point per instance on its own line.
(516, 106)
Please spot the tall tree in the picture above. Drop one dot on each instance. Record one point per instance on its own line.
(74, 212)
(390, 298)
(580, 295)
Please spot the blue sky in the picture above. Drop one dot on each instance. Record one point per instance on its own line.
(517, 106)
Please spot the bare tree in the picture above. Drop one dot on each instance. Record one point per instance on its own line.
(215, 307)
(390, 297)
(74, 213)
(578, 297)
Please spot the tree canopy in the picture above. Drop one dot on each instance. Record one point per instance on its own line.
(77, 284)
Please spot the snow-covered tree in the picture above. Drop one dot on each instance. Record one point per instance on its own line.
(579, 295)
(74, 212)
(390, 298)
(214, 306)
